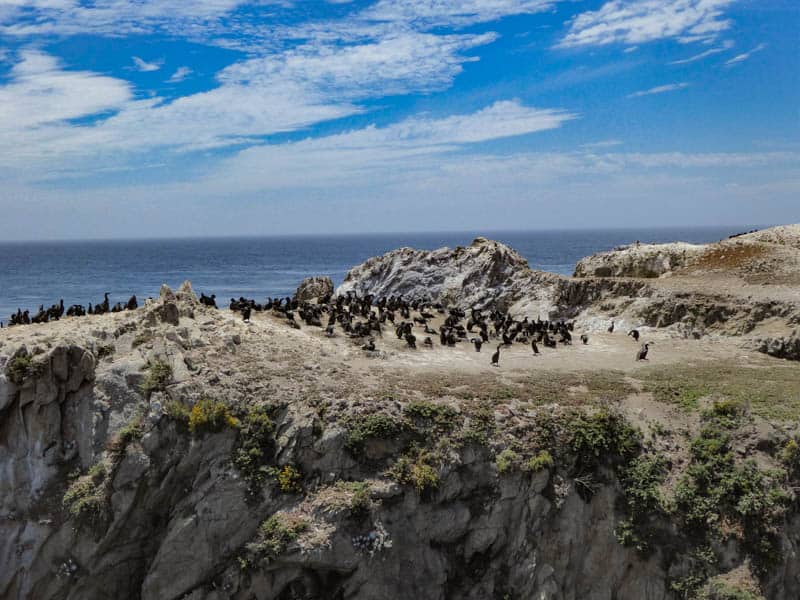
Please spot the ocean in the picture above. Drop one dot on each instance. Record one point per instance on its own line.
(34, 273)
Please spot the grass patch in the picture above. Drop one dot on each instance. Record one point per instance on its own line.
(539, 462)
(506, 461)
(418, 468)
(375, 426)
(770, 392)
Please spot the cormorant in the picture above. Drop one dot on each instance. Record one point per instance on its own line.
(642, 354)
(496, 356)
(611, 327)
(634, 334)
(584, 339)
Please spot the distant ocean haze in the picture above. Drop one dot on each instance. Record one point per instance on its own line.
(34, 273)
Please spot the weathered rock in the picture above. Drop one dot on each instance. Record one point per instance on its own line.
(484, 273)
(639, 260)
(314, 288)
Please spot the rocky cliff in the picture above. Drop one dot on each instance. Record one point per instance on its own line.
(639, 260)
(176, 451)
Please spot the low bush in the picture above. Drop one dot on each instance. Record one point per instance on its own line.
(273, 536)
(602, 436)
(87, 498)
(507, 460)
(542, 460)
(210, 416)
(20, 368)
(289, 480)
(254, 447)
(158, 376)
(376, 425)
(418, 468)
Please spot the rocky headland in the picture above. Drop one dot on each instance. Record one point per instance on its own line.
(177, 451)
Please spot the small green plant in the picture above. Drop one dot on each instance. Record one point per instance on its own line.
(273, 536)
(289, 480)
(210, 416)
(20, 368)
(600, 436)
(416, 468)
(542, 460)
(178, 412)
(361, 503)
(158, 376)
(641, 480)
(721, 590)
(506, 460)
(790, 457)
(377, 425)
(87, 498)
(130, 432)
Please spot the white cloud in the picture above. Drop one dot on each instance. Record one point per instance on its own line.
(144, 66)
(179, 75)
(429, 13)
(745, 56)
(640, 21)
(41, 94)
(661, 89)
(727, 45)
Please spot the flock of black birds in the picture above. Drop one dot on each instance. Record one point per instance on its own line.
(56, 311)
(366, 317)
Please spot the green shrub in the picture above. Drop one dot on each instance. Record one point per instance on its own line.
(790, 457)
(601, 436)
(543, 460)
(289, 480)
(159, 374)
(21, 367)
(254, 447)
(439, 417)
(361, 503)
(641, 479)
(178, 412)
(377, 425)
(274, 535)
(416, 468)
(210, 416)
(87, 498)
(506, 460)
(720, 590)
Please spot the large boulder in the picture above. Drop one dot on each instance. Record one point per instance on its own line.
(314, 288)
(484, 273)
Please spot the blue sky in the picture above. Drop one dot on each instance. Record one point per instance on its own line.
(150, 118)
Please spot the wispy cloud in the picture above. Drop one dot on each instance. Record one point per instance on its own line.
(745, 55)
(727, 45)
(661, 89)
(601, 145)
(179, 75)
(640, 21)
(144, 66)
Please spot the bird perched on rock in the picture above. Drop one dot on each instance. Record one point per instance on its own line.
(642, 353)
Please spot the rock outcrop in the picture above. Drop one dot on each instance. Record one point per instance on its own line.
(485, 273)
(639, 260)
(313, 289)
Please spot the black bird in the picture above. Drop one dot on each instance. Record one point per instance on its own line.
(478, 343)
(428, 342)
(585, 339)
(496, 357)
(611, 327)
(634, 334)
(246, 313)
(642, 354)
(369, 346)
(411, 340)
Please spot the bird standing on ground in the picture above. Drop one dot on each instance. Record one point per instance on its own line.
(496, 357)
(642, 354)
(611, 327)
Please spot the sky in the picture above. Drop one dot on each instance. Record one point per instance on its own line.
(167, 118)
